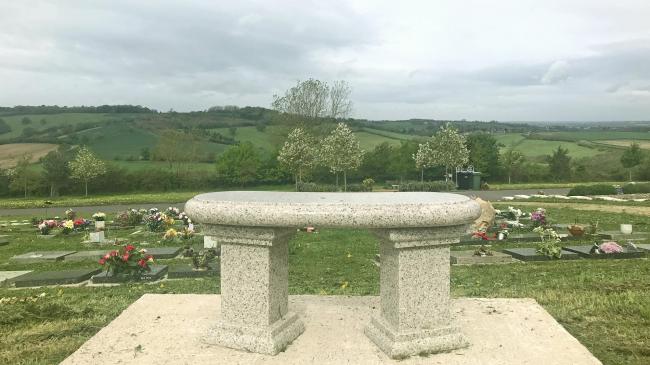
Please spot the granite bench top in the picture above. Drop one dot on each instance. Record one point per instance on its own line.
(363, 210)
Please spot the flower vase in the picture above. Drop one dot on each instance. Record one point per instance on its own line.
(100, 225)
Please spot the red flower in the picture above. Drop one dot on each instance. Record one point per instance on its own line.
(107, 256)
(102, 261)
(129, 248)
(114, 253)
(149, 258)
(142, 263)
(125, 257)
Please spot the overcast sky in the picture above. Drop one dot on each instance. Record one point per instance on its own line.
(487, 60)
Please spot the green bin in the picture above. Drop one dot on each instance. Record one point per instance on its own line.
(468, 180)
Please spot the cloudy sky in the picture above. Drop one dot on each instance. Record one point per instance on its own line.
(503, 60)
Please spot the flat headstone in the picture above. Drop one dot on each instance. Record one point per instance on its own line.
(41, 256)
(86, 255)
(626, 254)
(531, 254)
(186, 271)
(522, 237)
(43, 278)
(618, 236)
(468, 258)
(164, 252)
(156, 273)
(7, 277)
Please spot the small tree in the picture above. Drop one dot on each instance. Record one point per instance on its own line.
(450, 148)
(559, 164)
(86, 167)
(341, 152)
(239, 164)
(22, 176)
(424, 158)
(55, 170)
(315, 99)
(298, 153)
(632, 157)
(512, 161)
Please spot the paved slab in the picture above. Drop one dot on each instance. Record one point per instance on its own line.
(583, 250)
(168, 329)
(530, 254)
(64, 277)
(86, 255)
(6, 277)
(163, 252)
(40, 256)
(468, 258)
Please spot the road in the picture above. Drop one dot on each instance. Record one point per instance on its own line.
(87, 211)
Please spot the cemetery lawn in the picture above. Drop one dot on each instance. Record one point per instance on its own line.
(605, 304)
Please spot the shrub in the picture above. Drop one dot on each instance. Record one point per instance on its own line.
(429, 186)
(313, 187)
(636, 188)
(594, 189)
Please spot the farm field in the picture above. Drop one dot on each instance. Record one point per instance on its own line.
(536, 147)
(626, 143)
(10, 153)
(53, 120)
(596, 135)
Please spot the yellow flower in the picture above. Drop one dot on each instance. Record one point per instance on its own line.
(344, 285)
(170, 234)
(349, 255)
(68, 224)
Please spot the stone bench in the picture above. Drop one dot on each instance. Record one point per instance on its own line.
(414, 230)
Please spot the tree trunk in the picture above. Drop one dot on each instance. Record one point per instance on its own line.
(630, 175)
(509, 179)
(296, 176)
(86, 184)
(25, 189)
(51, 190)
(422, 175)
(345, 181)
(337, 179)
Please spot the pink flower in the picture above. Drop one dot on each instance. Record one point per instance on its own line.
(129, 248)
(102, 261)
(610, 247)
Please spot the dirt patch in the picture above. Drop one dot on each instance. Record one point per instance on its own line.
(582, 206)
(12, 152)
(626, 143)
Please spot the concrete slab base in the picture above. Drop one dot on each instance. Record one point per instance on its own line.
(172, 329)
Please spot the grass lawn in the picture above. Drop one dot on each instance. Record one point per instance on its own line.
(134, 198)
(523, 186)
(605, 304)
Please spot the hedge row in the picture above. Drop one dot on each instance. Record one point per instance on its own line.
(636, 188)
(428, 186)
(593, 189)
(313, 187)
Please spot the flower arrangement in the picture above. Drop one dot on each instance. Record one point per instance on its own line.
(606, 248)
(482, 235)
(550, 242)
(172, 212)
(156, 222)
(81, 224)
(126, 261)
(483, 251)
(99, 217)
(67, 226)
(44, 228)
(70, 214)
(131, 217)
(201, 260)
(186, 220)
(187, 232)
(538, 217)
(170, 234)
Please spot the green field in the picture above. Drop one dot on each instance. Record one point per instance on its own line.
(597, 135)
(51, 120)
(536, 147)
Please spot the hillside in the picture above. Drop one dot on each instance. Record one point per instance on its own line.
(125, 133)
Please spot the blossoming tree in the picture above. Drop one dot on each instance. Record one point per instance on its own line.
(450, 148)
(298, 153)
(424, 158)
(86, 167)
(340, 151)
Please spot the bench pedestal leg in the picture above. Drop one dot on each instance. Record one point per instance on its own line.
(415, 313)
(254, 290)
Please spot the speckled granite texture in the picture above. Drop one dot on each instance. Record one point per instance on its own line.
(254, 287)
(415, 230)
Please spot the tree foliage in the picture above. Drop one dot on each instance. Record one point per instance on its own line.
(316, 99)
(559, 164)
(512, 162)
(239, 165)
(425, 157)
(484, 154)
(86, 167)
(632, 157)
(298, 154)
(340, 151)
(55, 170)
(22, 177)
(449, 148)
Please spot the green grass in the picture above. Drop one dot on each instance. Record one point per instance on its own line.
(535, 148)
(597, 135)
(509, 139)
(605, 304)
(135, 198)
(522, 186)
(268, 140)
(52, 120)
